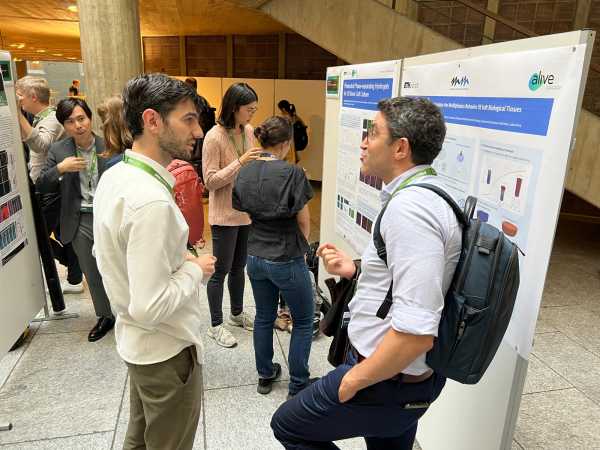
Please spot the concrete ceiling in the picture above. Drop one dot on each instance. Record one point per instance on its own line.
(47, 30)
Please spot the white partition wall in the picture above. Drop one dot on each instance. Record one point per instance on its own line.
(21, 285)
(510, 110)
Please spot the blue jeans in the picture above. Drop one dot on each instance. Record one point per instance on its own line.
(291, 278)
(315, 418)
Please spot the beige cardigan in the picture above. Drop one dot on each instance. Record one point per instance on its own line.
(220, 166)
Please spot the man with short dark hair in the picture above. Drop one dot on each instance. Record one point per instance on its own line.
(153, 282)
(33, 97)
(73, 168)
(385, 386)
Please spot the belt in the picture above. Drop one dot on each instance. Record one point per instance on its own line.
(403, 377)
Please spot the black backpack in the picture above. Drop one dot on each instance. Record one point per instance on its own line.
(480, 300)
(300, 136)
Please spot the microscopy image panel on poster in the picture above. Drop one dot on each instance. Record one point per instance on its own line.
(13, 236)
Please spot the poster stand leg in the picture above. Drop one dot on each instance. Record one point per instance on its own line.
(60, 316)
(5, 426)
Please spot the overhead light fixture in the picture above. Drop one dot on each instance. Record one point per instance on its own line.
(40, 51)
(17, 59)
(13, 45)
(21, 46)
(72, 8)
(57, 54)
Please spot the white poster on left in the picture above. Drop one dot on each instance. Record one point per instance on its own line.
(13, 236)
(357, 194)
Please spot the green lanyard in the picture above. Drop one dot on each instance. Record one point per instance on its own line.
(148, 169)
(42, 115)
(237, 150)
(93, 164)
(414, 176)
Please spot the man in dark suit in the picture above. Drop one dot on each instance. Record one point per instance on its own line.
(73, 168)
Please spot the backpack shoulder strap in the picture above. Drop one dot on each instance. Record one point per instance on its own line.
(462, 218)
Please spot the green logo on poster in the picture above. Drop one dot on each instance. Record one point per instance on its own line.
(538, 80)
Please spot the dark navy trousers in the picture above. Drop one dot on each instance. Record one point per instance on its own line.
(384, 414)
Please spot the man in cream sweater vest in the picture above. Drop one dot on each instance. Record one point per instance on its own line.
(153, 283)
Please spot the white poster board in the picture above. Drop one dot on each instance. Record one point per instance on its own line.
(21, 286)
(511, 110)
(357, 198)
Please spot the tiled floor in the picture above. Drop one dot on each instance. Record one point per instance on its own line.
(62, 392)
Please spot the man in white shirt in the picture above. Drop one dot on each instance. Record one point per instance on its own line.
(152, 281)
(385, 386)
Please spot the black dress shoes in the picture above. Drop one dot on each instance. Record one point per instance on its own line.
(104, 325)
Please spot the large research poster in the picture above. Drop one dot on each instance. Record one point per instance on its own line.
(21, 285)
(357, 196)
(509, 119)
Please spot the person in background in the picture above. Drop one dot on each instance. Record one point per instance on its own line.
(385, 385)
(288, 110)
(73, 168)
(33, 95)
(74, 89)
(152, 280)
(207, 121)
(117, 137)
(275, 195)
(229, 146)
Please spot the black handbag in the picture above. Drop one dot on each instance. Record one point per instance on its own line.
(335, 322)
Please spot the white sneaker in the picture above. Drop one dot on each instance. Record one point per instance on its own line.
(69, 288)
(222, 336)
(243, 319)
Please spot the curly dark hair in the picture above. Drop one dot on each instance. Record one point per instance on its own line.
(419, 121)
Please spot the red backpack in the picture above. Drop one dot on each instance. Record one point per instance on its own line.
(188, 196)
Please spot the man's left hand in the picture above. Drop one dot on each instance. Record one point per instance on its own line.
(348, 387)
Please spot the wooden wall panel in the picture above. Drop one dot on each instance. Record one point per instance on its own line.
(454, 20)
(305, 60)
(206, 56)
(540, 16)
(161, 54)
(256, 56)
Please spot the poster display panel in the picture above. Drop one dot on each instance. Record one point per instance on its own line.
(13, 235)
(509, 120)
(357, 196)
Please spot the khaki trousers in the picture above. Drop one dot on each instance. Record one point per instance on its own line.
(165, 403)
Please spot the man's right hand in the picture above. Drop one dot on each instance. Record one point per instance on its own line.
(336, 261)
(250, 155)
(71, 164)
(205, 262)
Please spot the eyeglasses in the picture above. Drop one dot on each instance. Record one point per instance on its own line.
(252, 109)
(371, 132)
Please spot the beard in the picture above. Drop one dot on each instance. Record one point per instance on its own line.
(175, 147)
